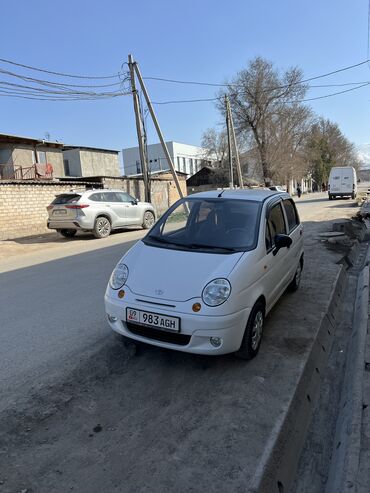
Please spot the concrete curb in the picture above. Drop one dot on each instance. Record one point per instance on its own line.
(347, 442)
(276, 471)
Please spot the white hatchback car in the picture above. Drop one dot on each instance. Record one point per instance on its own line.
(208, 272)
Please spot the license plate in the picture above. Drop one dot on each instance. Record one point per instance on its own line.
(59, 212)
(155, 320)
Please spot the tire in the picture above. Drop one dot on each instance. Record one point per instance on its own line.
(102, 227)
(253, 333)
(294, 285)
(68, 233)
(330, 197)
(353, 196)
(148, 220)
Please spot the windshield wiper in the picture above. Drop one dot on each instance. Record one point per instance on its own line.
(210, 247)
(163, 240)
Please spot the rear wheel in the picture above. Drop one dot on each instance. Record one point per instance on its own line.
(148, 220)
(353, 196)
(294, 285)
(253, 333)
(102, 227)
(330, 197)
(68, 233)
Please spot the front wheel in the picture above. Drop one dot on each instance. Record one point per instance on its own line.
(253, 333)
(148, 220)
(102, 227)
(68, 233)
(353, 196)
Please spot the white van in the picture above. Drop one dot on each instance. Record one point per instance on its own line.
(342, 182)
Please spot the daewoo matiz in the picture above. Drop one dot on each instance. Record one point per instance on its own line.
(208, 272)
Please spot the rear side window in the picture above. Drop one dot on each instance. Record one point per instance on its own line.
(66, 199)
(96, 197)
(291, 214)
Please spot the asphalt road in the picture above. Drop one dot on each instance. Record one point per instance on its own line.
(53, 312)
(110, 420)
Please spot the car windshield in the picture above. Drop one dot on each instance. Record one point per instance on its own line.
(218, 225)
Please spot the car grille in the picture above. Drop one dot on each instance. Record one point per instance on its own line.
(158, 335)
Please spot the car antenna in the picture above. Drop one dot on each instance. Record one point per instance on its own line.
(220, 194)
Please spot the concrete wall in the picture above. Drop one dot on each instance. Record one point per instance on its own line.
(99, 163)
(23, 156)
(74, 162)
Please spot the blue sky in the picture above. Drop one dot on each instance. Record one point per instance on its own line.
(205, 40)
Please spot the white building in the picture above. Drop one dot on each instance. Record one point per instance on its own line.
(186, 158)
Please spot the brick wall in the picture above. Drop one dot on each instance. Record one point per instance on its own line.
(23, 208)
(23, 205)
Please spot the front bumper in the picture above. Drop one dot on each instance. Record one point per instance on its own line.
(200, 328)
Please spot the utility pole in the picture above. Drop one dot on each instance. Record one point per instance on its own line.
(139, 130)
(158, 129)
(237, 161)
(229, 141)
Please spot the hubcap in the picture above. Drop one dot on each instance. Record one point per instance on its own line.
(257, 330)
(103, 227)
(149, 219)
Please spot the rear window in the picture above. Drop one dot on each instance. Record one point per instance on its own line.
(66, 199)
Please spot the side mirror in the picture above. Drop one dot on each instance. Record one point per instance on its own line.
(134, 202)
(282, 241)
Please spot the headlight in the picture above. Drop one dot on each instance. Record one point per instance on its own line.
(216, 292)
(119, 276)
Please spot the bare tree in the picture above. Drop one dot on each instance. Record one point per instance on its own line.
(215, 146)
(267, 105)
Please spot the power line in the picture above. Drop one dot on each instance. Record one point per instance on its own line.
(212, 84)
(59, 73)
(52, 83)
(178, 101)
(285, 102)
(329, 95)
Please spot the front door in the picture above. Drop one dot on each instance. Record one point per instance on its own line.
(132, 211)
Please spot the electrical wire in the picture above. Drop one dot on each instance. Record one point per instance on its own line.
(59, 73)
(184, 101)
(211, 84)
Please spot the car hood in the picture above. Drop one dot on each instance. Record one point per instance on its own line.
(174, 275)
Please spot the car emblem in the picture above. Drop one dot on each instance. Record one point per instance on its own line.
(159, 291)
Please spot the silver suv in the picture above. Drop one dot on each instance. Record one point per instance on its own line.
(98, 211)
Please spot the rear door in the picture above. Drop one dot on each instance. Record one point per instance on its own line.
(335, 181)
(347, 181)
(295, 230)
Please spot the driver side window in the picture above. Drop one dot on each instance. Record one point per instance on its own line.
(275, 225)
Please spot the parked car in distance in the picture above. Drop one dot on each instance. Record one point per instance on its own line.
(342, 182)
(277, 188)
(98, 211)
(207, 274)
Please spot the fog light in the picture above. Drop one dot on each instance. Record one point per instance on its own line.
(215, 341)
(121, 293)
(112, 319)
(196, 307)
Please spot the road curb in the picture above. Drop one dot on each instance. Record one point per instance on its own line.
(277, 468)
(347, 442)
